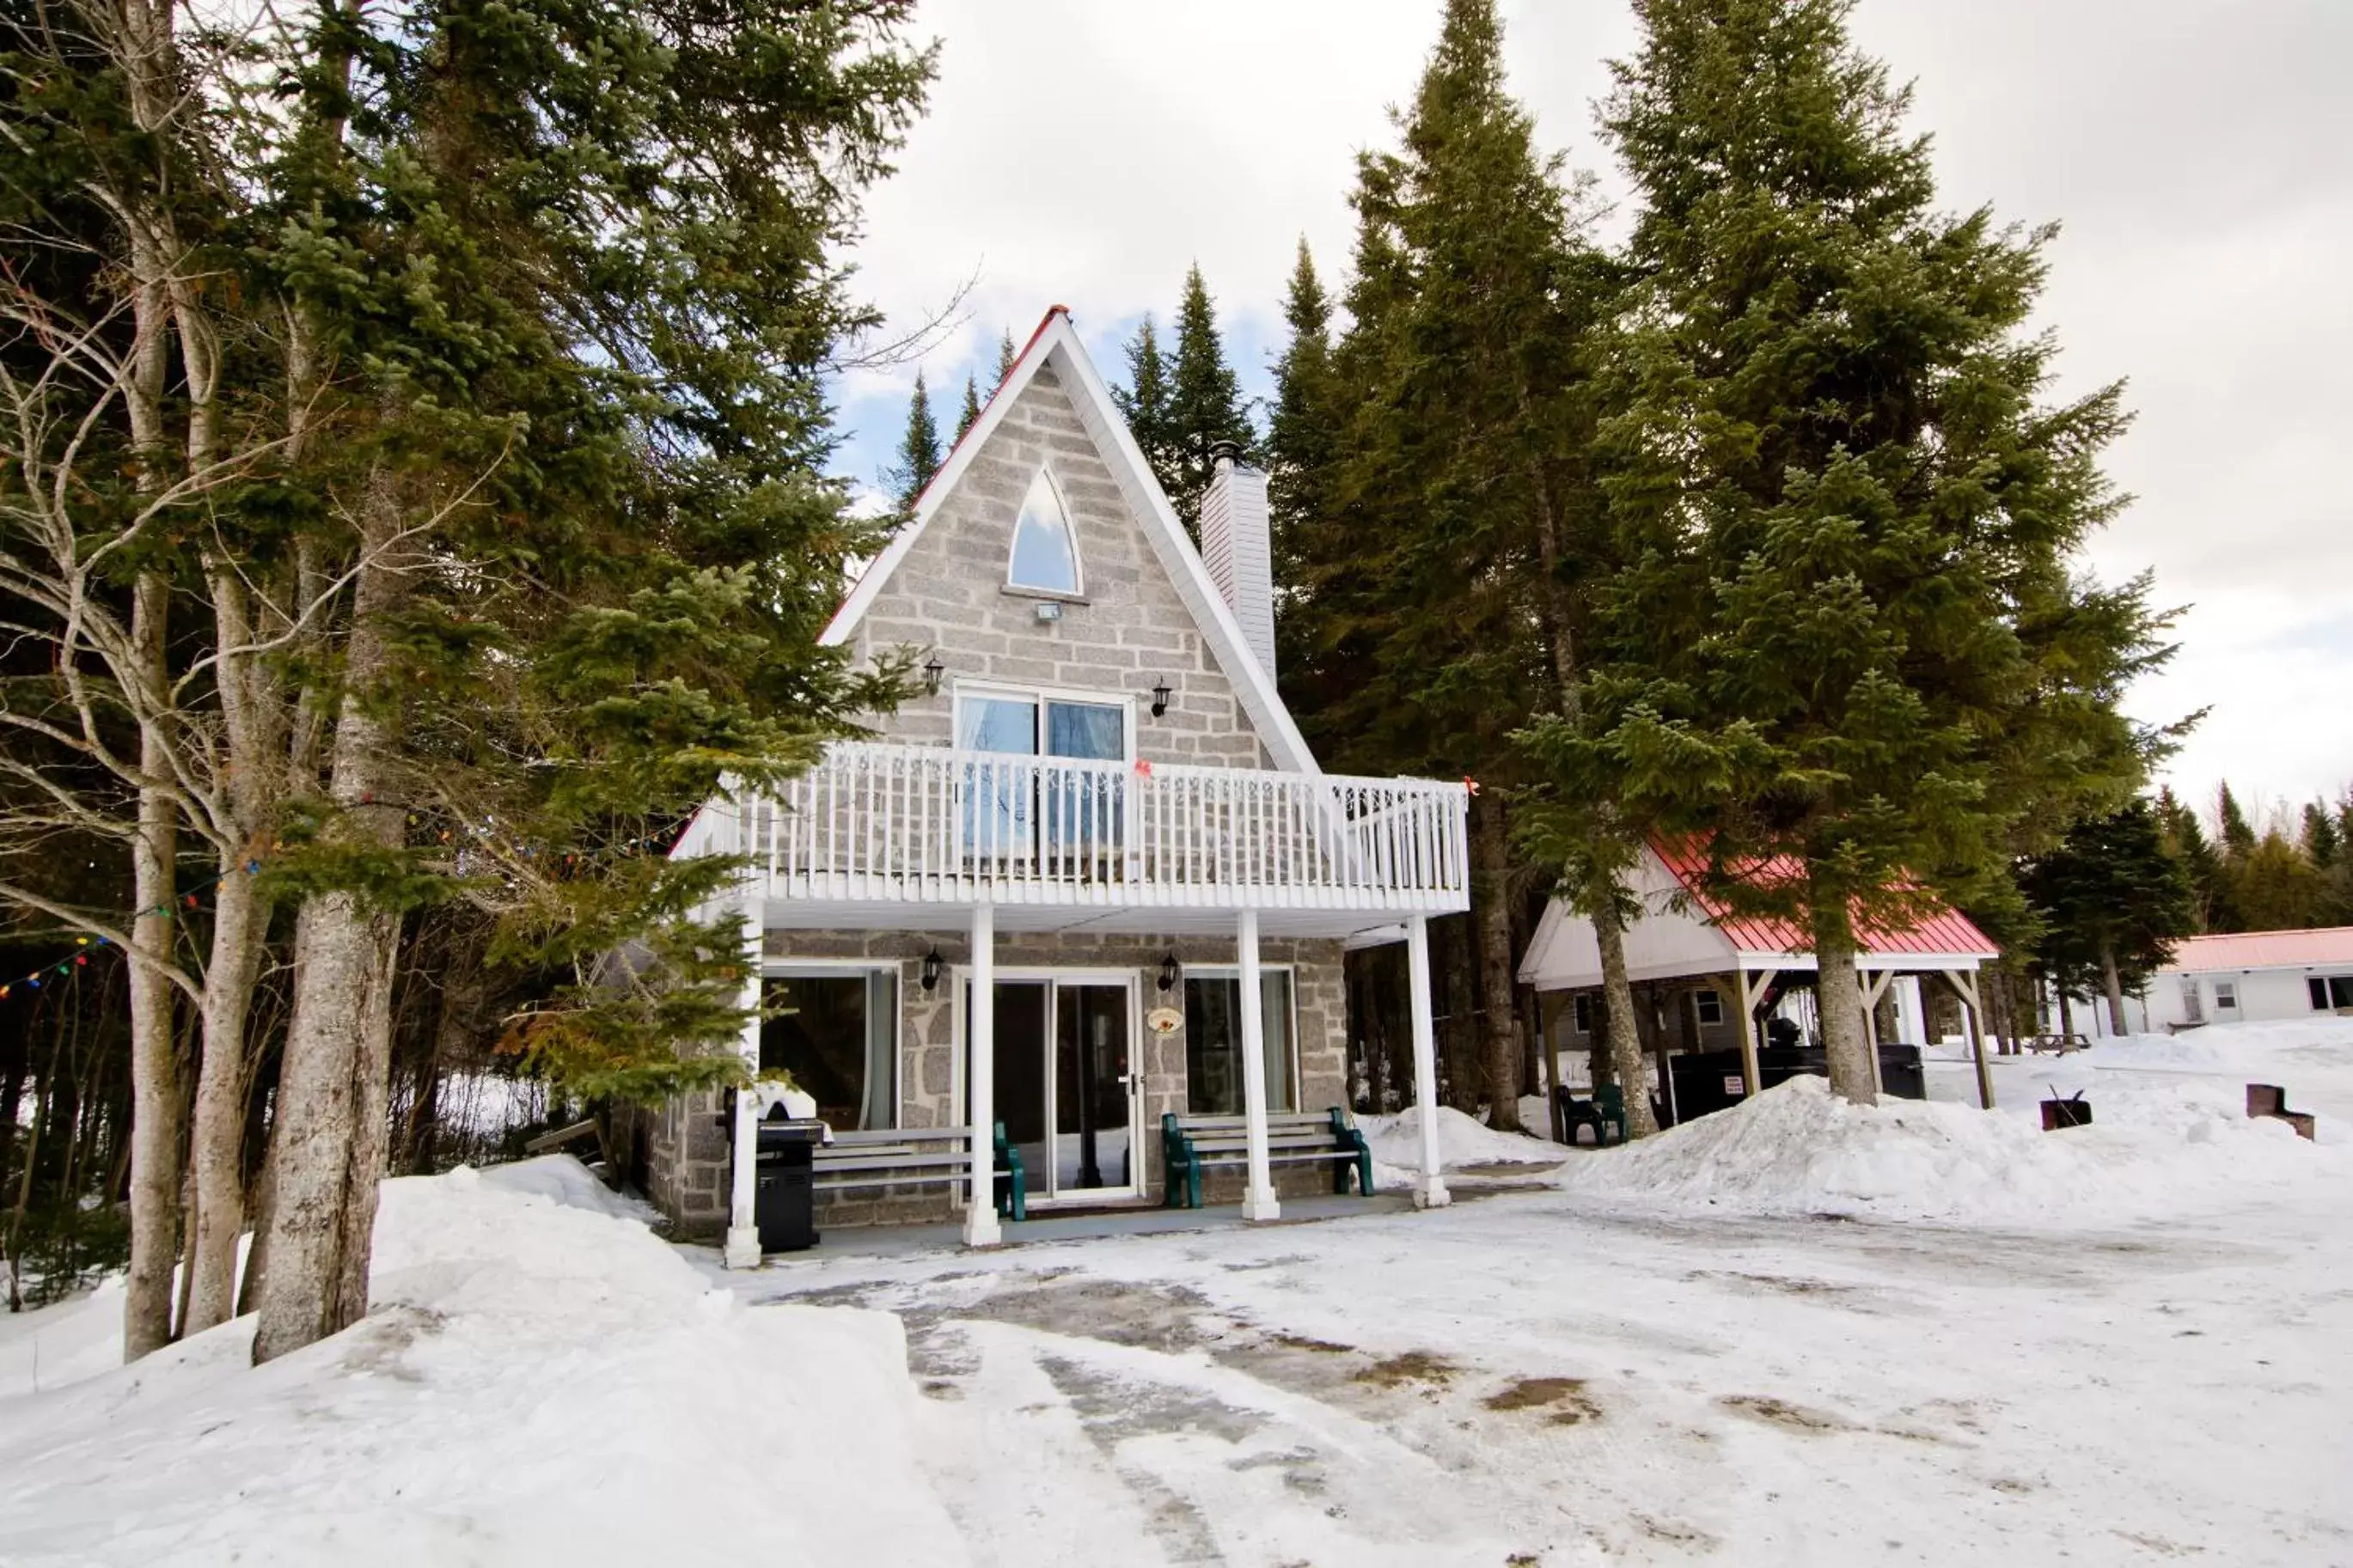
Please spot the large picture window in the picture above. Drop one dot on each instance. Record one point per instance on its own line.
(836, 1032)
(1213, 1042)
(2330, 992)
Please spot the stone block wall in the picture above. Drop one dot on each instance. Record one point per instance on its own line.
(1125, 632)
(687, 1147)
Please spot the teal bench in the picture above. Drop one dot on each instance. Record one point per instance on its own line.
(916, 1154)
(1190, 1144)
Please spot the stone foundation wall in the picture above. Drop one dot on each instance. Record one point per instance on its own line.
(687, 1148)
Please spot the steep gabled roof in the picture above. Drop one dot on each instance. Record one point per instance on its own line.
(1056, 343)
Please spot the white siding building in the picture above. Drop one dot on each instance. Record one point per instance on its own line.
(2247, 976)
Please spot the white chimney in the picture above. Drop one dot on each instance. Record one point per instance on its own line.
(1234, 546)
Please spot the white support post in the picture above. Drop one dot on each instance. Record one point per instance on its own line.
(980, 1224)
(1428, 1191)
(1258, 1198)
(743, 1249)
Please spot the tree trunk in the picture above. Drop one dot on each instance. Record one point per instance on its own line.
(1840, 994)
(218, 1147)
(1461, 1064)
(155, 1099)
(2066, 1009)
(1497, 1012)
(1628, 1068)
(2114, 984)
(329, 1144)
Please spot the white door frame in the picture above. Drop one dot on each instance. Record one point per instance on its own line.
(1041, 1194)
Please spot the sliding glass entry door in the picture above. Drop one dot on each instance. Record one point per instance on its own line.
(1066, 1085)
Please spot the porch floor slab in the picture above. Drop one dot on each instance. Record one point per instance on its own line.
(902, 1240)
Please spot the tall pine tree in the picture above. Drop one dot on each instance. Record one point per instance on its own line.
(1853, 516)
(919, 449)
(1302, 438)
(1145, 403)
(1204, 403)
(971, 409)
(1440, 578)
(2113, 903)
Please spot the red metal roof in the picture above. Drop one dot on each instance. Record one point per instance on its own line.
(2325, 945)
(1943, 931)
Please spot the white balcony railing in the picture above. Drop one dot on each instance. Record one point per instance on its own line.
(893, 823)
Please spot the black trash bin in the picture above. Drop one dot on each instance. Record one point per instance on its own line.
(783, 1200)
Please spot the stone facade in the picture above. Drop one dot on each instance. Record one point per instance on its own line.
(688, 1147)
(1127, 630)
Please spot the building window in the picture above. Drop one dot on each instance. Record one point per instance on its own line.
(1584, 1013)
(2330, 992)
(1711, 1006)
(2226, 995)
(1045, 555)
(1213, 1042)
(836, 1033)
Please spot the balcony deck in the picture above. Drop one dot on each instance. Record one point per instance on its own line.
(882, 836)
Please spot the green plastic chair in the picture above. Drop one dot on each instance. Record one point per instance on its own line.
(1609, 1107)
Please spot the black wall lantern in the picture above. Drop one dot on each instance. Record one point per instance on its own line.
(1160, 695)
(932, 970)
(932, 670)
(1168, 973)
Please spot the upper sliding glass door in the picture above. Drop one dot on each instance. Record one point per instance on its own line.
(1005, 806)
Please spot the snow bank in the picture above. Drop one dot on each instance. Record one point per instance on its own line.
(2158, 1146)
(540, 1380)
(1462, 1141)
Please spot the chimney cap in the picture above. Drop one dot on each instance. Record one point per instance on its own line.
(1224, 452)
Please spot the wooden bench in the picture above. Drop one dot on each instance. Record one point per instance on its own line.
(2270, 1100)
(917, 1154)
(1187, 1144)
(2061, 1044)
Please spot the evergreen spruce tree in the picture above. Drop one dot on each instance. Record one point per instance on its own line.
(1006, 355)
(1143, 403)
(2237, 833)
(1439, 583)
(971, 410)
(919, 449)
(1301, 439)
(2322, 842)
(2186, 841)
(1852, 518)
(2113, 902)
(1204, 403)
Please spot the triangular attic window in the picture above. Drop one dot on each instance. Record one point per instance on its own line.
(1045, 556)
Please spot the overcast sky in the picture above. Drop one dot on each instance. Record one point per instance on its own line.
(2196, 152)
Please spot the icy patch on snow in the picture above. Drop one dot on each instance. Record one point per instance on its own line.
(540, 1379)
(1462, 1141)
(2157, 1147)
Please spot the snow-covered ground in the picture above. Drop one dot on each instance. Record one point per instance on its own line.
(1924, 1336)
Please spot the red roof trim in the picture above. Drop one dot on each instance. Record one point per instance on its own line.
(1944, 932)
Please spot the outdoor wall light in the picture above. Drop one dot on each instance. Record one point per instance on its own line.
(1168, 973)
(932, 970)
(1160, 695)
(932, 670)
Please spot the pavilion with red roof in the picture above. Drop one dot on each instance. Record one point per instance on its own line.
(1687, 934)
